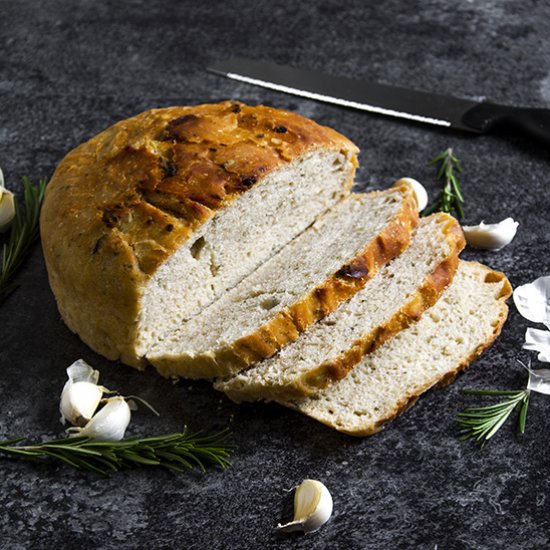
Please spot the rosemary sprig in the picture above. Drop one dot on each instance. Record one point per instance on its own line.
(23, 233)
(482, 423)
(450, 198)
(177, 451)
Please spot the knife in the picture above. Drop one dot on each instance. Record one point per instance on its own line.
(479, 117)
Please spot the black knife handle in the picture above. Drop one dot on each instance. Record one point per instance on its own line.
(488, 116)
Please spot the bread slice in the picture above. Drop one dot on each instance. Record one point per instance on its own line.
(154, 218)
(462, 324)
(398, 295)
(304, 282)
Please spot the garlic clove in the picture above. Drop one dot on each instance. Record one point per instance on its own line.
(110, 423)
(533, 300)
(7, 205)
(2, 185)
(7, 209)
(491, 236)
(420, 193)
(79, 402)
(312, 507)
(80, 396)
(538, 340)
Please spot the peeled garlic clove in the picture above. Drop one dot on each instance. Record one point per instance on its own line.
(491, 236)
(79, 402)
(312, 507)
(110, 423)
(533, 300)
(420, 193)
(80, 396)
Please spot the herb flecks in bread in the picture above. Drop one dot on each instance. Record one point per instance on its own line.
(463, 323)
(396, 297)
(304, 282)
(156, 217)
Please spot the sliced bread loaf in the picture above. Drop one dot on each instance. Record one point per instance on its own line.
(398, 295)
(462, 324)
(156, 217)
(304, 282)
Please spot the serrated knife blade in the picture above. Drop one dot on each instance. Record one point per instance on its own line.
(440, 110)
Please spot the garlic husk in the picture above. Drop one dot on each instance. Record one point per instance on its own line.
(420, 193)
(538, 340)
(312, 507)
(110, 423)
(81, 395)
(7, 206)
(492, 236)
(80, 371)
(533, 300)
(539, 381)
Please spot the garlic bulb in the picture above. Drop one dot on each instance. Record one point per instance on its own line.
(491, 236)
(420, 193)
(110, 423)
(312, 507)
(81, 394)
(7, 206)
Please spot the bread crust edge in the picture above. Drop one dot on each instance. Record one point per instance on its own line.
(339, 367)
(289, 323)
(79, 223)
(439, 381)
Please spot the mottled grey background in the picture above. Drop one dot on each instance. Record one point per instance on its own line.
(70, 68)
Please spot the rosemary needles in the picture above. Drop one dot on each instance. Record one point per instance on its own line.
(177, 451)
(23, 233)
(450, 198)
(482, 423)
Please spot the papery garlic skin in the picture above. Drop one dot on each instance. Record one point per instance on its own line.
(312, 507)
(110, 423)
(80, 371)
(539, 381)
(81, 394)
(533, 300)
(7, 206)
(491, 236)
(420, 193)
(538, 340)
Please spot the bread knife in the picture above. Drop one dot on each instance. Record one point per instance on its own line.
(479, 117)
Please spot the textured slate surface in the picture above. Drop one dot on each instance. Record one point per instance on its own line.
(69, 69)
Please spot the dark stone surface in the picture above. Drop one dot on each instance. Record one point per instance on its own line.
(69, 69)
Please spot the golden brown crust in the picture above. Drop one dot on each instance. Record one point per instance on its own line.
(287, 325)
(426, 296)
(448, 377)
(120, 204)
(337, 368)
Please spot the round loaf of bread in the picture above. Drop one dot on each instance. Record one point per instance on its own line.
(153, 219)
